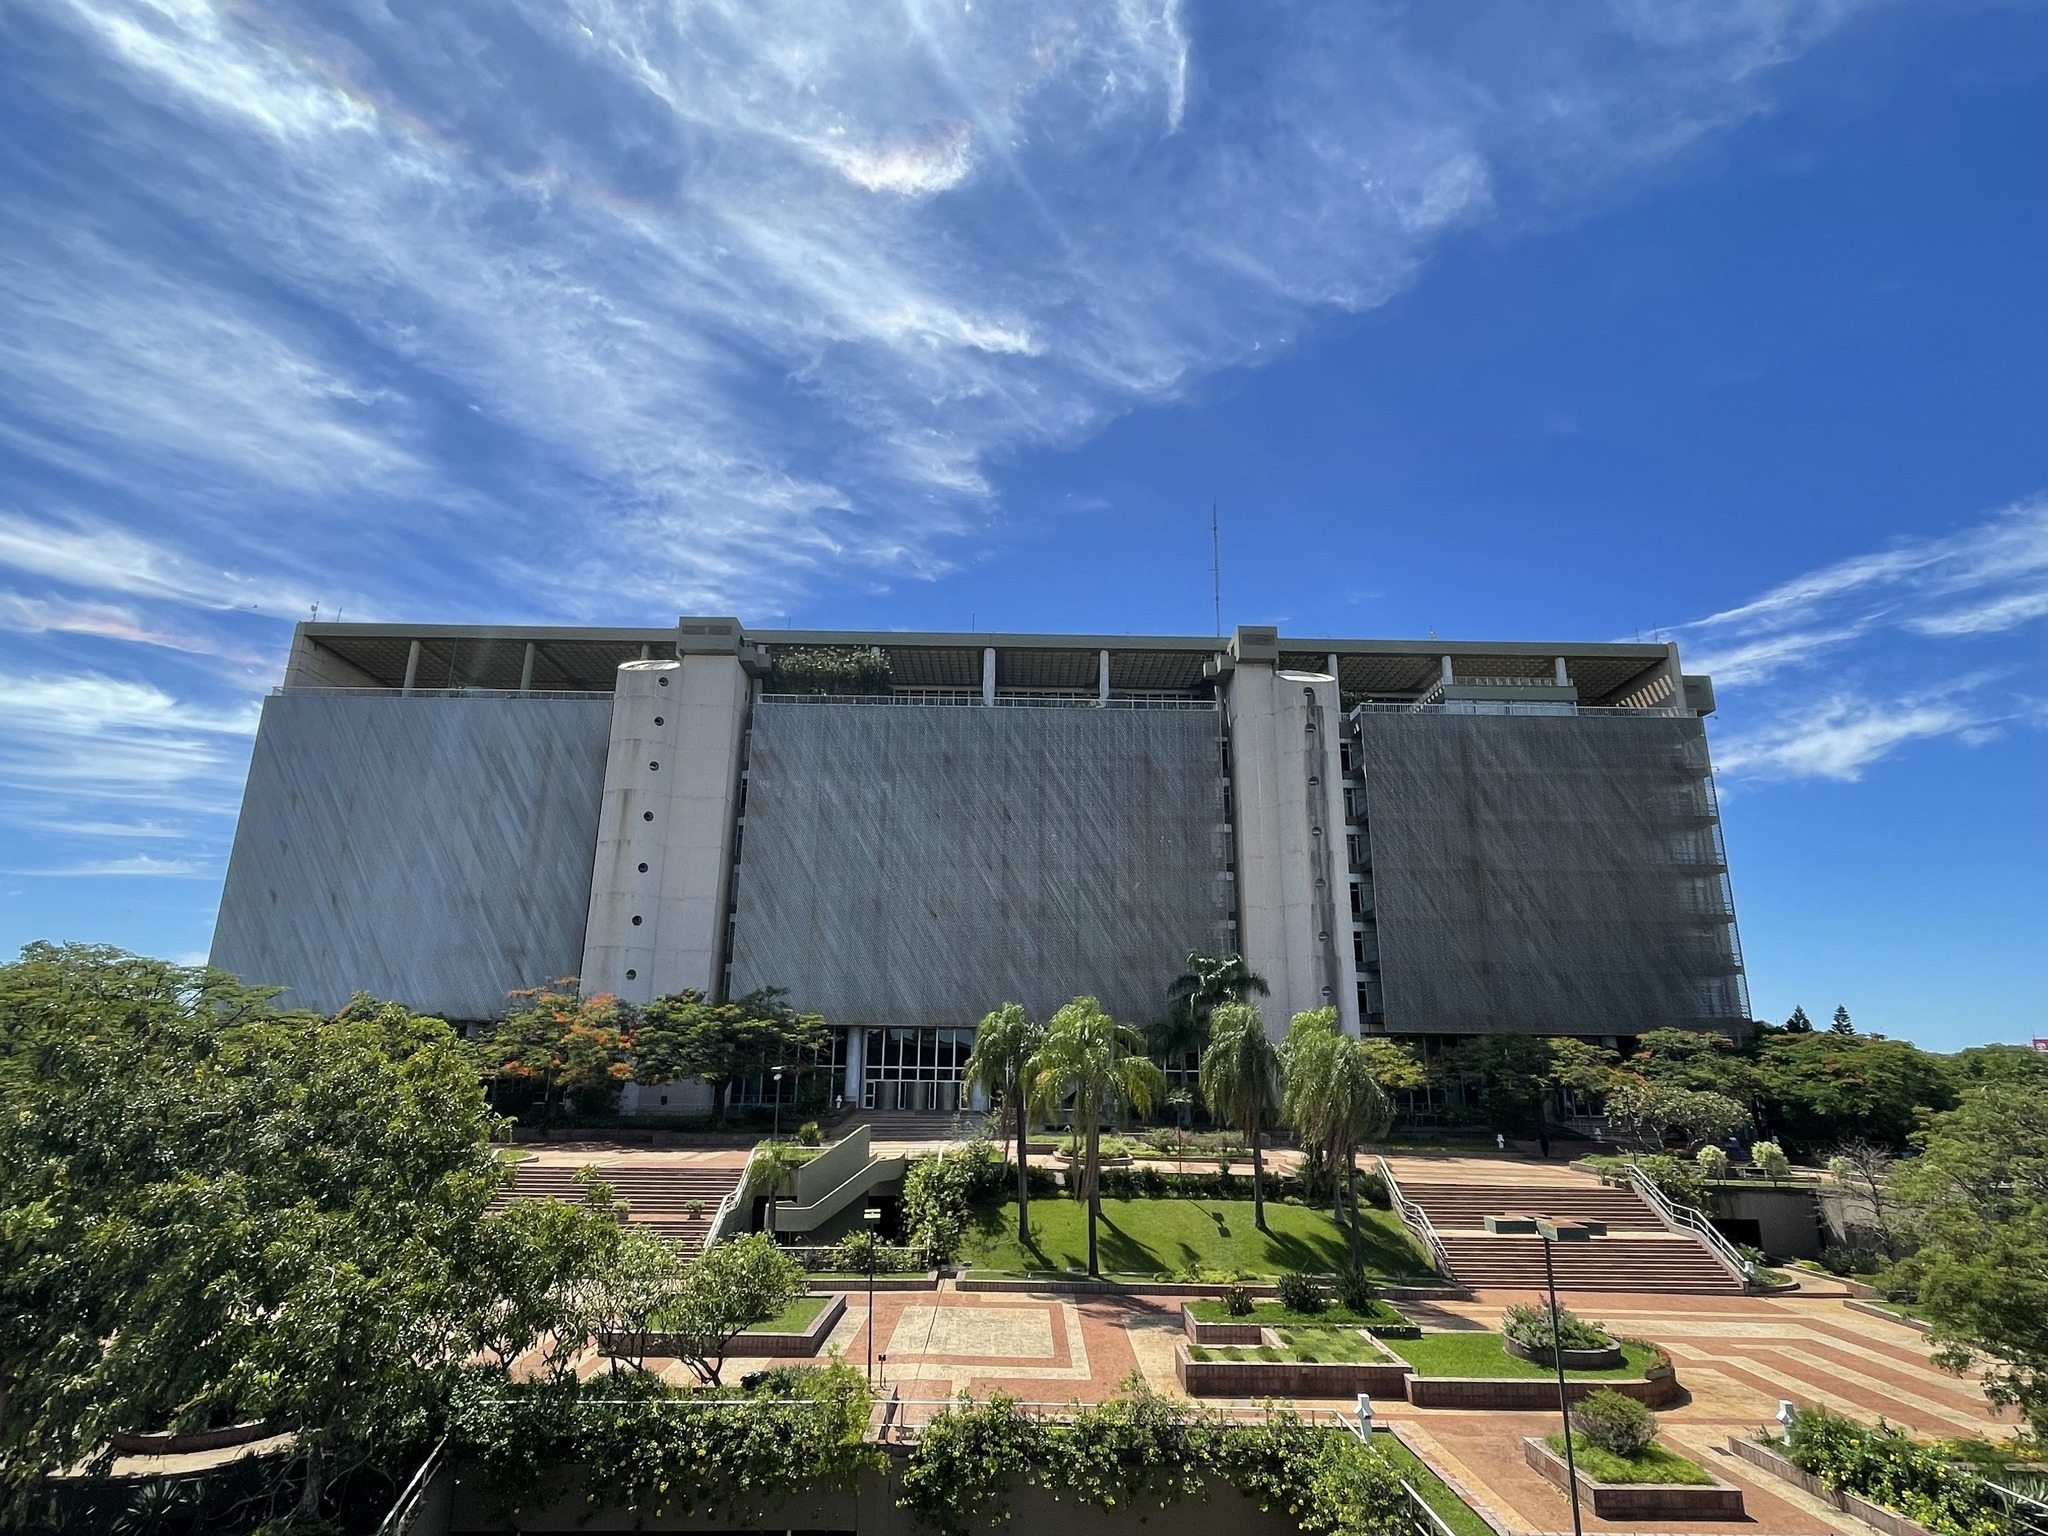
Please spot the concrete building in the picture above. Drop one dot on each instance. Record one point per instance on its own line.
(1437, 839)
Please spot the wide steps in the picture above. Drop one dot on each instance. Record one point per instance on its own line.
(1454, 1207)
(1670, 1264)
(656, 1198)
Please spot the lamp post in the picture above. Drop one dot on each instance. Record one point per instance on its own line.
(873, 1217)
(1546, 1229)
(778, 1103)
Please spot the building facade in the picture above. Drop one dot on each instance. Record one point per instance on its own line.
(1436, 839)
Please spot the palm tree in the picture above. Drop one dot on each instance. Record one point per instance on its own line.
(1332, 1096)
(779, 1163)
(1207, 984)
(1241, 1083)
(1102, 1065)
(1003, 1047)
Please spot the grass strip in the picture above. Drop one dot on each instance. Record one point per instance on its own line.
(1481, 1355)
(1652, 1464)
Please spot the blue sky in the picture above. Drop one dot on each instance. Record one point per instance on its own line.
(1719, 321)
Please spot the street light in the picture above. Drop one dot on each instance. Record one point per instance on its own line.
(873, 1217)
(778, 1103)
(1546, 1229)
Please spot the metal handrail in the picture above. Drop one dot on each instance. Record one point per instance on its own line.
(401, 1515)
(974, 700)
(1416, 1220)
(1683, 1218)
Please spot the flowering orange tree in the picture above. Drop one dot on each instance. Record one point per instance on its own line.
(565, 1045)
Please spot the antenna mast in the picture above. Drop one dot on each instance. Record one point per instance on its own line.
(1216, 568)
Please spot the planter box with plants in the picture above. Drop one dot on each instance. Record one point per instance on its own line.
(778, 1338)
(1532, 1334)
(1219, 1322)
(1628, 1475)
(1292, 1362)
(1485, 1370)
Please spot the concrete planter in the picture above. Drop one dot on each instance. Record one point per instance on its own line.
(844, 1285)
(1766, 1459)
(1641, 1501)
(1519, 1394)
(1200, 1332)
(1287, 1378)
(1574, 1359)
(748, 1346)
(1872, 1309)
(185, 1442)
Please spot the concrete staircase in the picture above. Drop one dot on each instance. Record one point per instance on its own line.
(914, 1125)
(1639, 1254)
(656, 1197)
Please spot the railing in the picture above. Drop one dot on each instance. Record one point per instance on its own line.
(1683, 1218)
(1002, 700)
(1437, 707)
(406, 1511)
(296, 689)
(735, 1198)
(1416, 1220)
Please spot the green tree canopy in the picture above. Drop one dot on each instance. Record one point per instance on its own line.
(1332, 1097)
(563, 1045)
(210, 1211)
(732, 1287)
(1975, 1202)
(1207, 983)
(688, 1035)
(1823, 1089)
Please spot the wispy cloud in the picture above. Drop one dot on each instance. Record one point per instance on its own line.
(1868, 654)
(759, 290)
(140, 865)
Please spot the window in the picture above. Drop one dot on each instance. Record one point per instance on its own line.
(915, 1069)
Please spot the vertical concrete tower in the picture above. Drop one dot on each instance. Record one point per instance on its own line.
(1287, 796)
(661, 880)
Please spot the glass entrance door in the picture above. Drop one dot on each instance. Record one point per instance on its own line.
(914, 1069)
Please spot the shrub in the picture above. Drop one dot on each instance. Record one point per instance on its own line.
(1615, 1423)
(855, 1251)
(1357, 1292)
(938, 1194)
(1713, 1162)
(693, 1207)
(808, 1135)
(1530, 1328)
(1299, 1293)
(1886, 1466)
(1851, 1261)
(1237, 1300)
(1769, 1159)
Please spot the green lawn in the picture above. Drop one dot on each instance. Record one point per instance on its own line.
(1652, 1464)
(1436, 1493)
(1480, 1354)
(1160, 1237)
(1270, 1314)
(794, 1318)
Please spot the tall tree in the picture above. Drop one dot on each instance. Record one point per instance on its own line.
(1841, 1024)
(999, 1067)
(1208, 983)
(1102, 1066)
(1241, 1083)
(1799, 1023)
(563, 1044)
(688, 1035)
(1822, 1089)
(1332, 1097)
(1975, 1201)
(1515, 1076)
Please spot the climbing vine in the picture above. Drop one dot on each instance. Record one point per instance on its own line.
(639, 1443)
(1141, 1447)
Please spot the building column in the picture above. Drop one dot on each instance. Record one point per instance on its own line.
(1287, 784)
(1564, 678)
(988, 675)
(856, 1051)
(526, 671)
(412, 667)
(1450, 675)
(663, 865)
(1102, 678)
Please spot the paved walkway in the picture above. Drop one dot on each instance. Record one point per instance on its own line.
(1736, 1356)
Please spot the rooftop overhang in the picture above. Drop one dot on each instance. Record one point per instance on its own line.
(586, 659)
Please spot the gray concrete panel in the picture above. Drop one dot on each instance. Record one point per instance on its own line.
(1541, 874)
(907, 865)
(436, 851)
